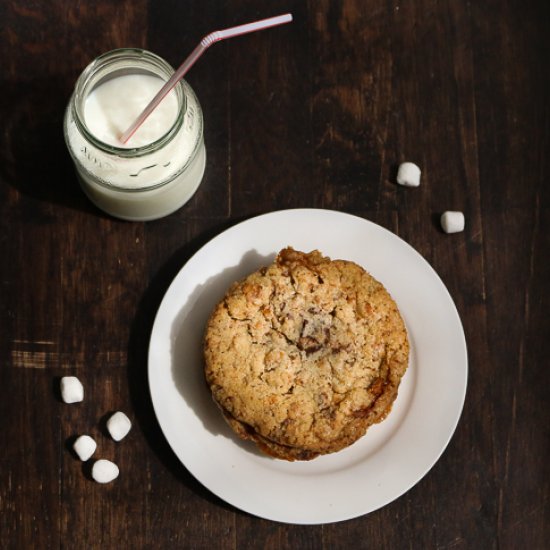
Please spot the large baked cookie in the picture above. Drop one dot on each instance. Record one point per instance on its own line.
(304, 355)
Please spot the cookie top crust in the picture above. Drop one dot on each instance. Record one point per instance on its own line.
(304, 355)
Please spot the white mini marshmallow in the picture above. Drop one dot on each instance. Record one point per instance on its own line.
(84, 447)
(452, 221)
(104, 471)
(408, 174)
(72, 390)
(119, 425)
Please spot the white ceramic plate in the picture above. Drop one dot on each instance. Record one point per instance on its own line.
(392, 457)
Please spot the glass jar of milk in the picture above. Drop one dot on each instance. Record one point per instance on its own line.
(161, 166)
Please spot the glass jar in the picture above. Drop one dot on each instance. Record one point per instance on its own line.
(144, 182)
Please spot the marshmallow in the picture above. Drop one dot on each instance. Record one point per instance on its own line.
(72, 390)
(104, 471)
(408, 174)
(119, 425)
(84, 447)
(452, 222)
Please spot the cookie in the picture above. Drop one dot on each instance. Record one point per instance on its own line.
(304, 355)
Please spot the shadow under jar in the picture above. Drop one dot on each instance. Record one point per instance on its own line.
(162, 165)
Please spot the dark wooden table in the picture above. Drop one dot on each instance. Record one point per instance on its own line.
(314, 114)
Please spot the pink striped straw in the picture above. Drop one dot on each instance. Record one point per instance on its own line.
(205, 43)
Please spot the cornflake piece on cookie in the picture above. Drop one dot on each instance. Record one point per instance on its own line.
(452, 222)
(104, 471)
(119, 425)
(84, 447)
(72, 390)
(408, 174)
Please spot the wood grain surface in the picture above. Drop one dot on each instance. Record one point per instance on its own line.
(319, 114)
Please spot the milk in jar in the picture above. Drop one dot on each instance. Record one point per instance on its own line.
(161, 166)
